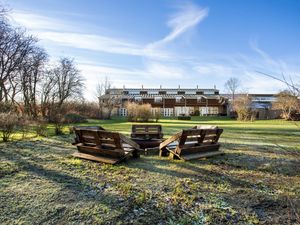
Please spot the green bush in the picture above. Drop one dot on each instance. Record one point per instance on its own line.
(196, 113)
(184, 118)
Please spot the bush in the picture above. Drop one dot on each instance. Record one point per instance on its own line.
(242, 107)
(7, 107)
(197, 112)
(138, 112)
(184, 118)
(8, 124)
(24, 126)
(74, 118)
(40, 128)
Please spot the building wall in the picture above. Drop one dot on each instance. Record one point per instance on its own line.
(172, 102)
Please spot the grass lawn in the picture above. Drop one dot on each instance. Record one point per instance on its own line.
(257, 181)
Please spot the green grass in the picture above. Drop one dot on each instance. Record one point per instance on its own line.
(257, 181)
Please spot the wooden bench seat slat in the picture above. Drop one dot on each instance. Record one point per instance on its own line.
(201, 155)
(97, 158)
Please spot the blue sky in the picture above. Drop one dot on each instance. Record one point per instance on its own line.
(168, 42)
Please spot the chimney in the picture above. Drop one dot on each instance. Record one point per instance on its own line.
(123, 87)
(178, 86)
(215, 87)
(142, 86)
(160, 86)
(197, 87)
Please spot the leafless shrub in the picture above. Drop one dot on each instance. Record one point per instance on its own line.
(24, 126)
(138, 112)
(40, 127)
(242, 106)
(8, 125)
(288, 103)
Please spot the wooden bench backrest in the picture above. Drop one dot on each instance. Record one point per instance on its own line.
(192, 138)
(76, 128)
(146, 131)
(99, 138)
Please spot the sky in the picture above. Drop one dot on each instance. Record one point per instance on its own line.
(169, 42)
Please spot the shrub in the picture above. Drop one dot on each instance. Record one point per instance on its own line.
(40, 128)
(7, 107)
(184, 118)
(197, 112)
(8, 124)
(242, 106)
(74, 118)
(24, 126)
(138, 112)
(157, 116)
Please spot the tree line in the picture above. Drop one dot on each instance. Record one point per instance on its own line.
(27, 80)
(29, 85)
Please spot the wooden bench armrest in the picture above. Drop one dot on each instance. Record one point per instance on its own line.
(129, 141)
(171, 139)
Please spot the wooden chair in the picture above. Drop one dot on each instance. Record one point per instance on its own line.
(192, 144)
(104, 146)
(147, 136)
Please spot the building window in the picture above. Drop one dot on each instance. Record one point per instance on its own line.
(123, 112)
(199, 99)
(167, 112)
(178, 99)
(153, 92)
(134, 92)
(181, 92)
(209, 111)
(143, 92)
(138, 99)
(171, 92)
(209, 92)
(157, 99)
(190, 92)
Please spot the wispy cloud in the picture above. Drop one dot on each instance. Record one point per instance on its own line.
(67, 34)
(188, 16)
(163, 70)
(39, 22)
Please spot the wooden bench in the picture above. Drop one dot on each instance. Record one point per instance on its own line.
(104, 146)
(147, 136)
(76, 139)
(192, 144)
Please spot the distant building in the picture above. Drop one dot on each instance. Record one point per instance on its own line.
(171, 101)
(261, 103)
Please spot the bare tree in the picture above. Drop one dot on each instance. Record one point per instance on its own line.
(15, 46)
(106, 99)
(293, 88)
(69, 82)
(30, 77)
(47, 97)
(231, 86)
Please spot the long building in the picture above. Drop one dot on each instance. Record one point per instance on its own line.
(170, 101)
